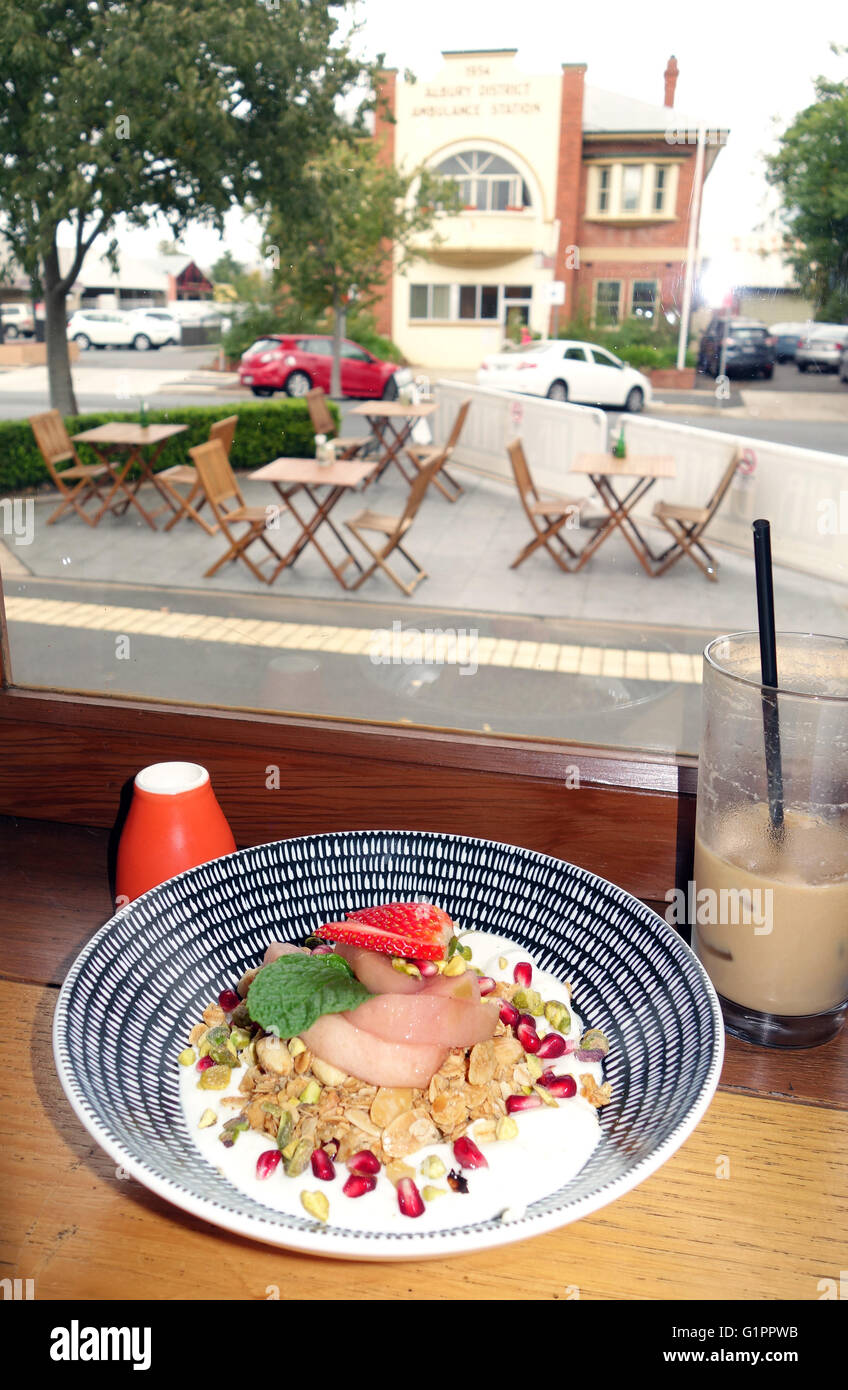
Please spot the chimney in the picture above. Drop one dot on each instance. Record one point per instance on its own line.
(670, 75)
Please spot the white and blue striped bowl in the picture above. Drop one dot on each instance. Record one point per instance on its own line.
(137, 988)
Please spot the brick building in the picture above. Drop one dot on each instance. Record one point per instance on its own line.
(560, 182)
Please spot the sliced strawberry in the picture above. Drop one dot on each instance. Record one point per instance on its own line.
(416, 930)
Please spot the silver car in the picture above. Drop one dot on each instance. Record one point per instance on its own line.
(821, 347)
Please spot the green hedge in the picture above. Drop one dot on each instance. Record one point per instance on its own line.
(264, 432)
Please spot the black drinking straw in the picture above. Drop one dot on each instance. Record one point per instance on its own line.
(768, 669)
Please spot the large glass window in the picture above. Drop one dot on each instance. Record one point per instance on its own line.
(487, 182)
(494, 639)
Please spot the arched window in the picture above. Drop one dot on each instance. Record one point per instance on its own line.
(487, 182)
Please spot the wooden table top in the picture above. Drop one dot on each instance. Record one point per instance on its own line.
(394, 410)
(118, 433)
(342, 473)
(633, 466)
(753, 1206)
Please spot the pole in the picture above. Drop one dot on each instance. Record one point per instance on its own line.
(691, 249)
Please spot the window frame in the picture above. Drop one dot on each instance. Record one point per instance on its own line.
(612, 209)
(595, 300)
(455, 290)
(632, 290)
(518, 194)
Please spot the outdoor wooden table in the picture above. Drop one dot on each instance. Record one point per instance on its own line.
(130, 439)
(751, 1207)
(604, 469)
(392, 423)
(293, 475)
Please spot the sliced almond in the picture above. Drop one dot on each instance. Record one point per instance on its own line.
(389, 1103)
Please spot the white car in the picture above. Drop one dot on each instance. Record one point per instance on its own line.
(565, 370)
(111, 328)
(17, 321)
(161, 325)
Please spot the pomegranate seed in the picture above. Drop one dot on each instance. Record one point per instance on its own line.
(523, 974)
(204, 1063)
(322, 1165)
(514, 1103)
(467, 1154)
(486, 984)
(267, 1162)
(426, 968)
(363, 1163)
(228, 1000)
(409, 1198)
(358, 1184)
(562, 1086)
(332, 1146)
(323, 950)
(509, 1014)
(529, 1021)
(552, 1045)
(528, 1037)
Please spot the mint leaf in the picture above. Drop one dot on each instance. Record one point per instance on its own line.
(287, 996)
(339, 963)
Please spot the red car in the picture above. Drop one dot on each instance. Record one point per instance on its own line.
(294, 364)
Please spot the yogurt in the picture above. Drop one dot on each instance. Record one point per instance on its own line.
(551, 1148)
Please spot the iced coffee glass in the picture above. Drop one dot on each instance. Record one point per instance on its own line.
(769, 906)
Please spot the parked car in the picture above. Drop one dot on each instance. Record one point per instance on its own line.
(566, 370)
(103, 328)
(17, 321)
(745, 346)
(295, 363)
(158, 321)
(821, 347)
(786, 337)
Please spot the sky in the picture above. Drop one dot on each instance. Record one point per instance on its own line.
(749, 66)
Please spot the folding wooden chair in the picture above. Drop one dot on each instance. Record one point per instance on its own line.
(422, 456)
(395, 529)
(548, 515)
(190, 503)
(323, 423)
(686, 525)
(220, 487)
(55, 446)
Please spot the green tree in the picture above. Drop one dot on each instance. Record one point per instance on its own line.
(226, 269)
(810, 169)
(357, 217)
(113, 108)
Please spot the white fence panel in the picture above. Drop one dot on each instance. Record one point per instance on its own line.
(552, 432)
(802, 492)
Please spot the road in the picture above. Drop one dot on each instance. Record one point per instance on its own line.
(118, 379)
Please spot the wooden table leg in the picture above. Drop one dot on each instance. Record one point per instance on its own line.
(392, 440)
(621, 518)
(310, 526)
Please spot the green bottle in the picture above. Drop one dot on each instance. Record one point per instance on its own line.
(619, 449)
